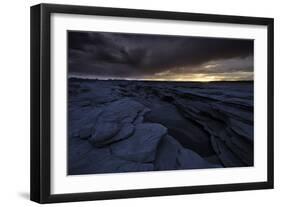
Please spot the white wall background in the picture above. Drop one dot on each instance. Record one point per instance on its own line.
(14, 101)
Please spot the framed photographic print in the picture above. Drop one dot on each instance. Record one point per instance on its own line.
(132, 103)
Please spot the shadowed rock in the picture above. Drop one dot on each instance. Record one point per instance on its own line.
(129, 126)
(100, 160)
(115, 122)
(142, 145)
(172, 156)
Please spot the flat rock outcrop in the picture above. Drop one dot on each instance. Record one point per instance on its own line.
(131, 126)
(142, 145)
(116, 122)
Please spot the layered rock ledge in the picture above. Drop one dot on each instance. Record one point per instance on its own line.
(130, 126)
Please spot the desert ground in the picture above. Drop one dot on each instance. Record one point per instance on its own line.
(130, 126)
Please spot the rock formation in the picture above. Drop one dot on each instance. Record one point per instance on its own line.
(129, 126)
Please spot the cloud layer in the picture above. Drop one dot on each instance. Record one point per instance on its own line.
(139, 56)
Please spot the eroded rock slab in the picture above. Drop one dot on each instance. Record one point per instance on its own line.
(128, 126)
(172, 156)
(115, 122)
(142, 145)
(100, 160)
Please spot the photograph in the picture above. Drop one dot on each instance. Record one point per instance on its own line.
(132, 103)
(155, 102)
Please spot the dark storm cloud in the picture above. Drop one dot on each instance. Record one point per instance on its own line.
(135, 55)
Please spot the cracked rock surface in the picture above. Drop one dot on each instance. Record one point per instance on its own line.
(130, 126)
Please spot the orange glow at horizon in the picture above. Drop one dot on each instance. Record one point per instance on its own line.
(203, 77)
(169, 75)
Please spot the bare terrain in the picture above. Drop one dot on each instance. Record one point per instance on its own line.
(130, 126)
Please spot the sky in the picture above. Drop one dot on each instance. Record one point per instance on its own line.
(102, 55)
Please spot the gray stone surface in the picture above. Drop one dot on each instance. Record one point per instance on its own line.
(142, 145)
(172, 156)
(116, 121)
(129, 126)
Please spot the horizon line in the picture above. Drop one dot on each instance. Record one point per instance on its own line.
(151, 80)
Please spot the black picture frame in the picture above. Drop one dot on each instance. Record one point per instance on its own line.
(41, 96)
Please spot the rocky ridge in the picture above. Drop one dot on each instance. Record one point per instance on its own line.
(129, 126)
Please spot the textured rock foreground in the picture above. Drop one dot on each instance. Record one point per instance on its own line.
(129, 126)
